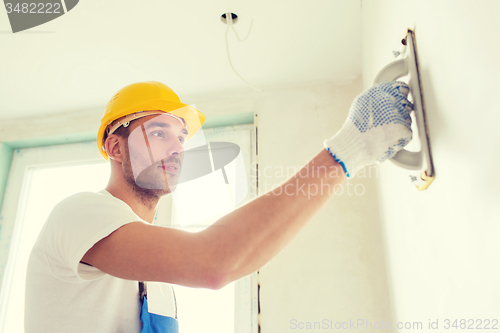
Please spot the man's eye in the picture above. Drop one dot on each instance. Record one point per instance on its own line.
(159, 134)
(181, 139)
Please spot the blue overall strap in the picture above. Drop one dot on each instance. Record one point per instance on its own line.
(155, 323)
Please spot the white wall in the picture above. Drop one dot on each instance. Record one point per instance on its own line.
(442, 244)
(334, 270)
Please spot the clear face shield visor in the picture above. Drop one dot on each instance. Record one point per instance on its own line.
(207, 176)
(156, 151)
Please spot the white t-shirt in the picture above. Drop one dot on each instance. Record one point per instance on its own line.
(64, 295)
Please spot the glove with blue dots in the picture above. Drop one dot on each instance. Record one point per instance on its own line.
(377, 127)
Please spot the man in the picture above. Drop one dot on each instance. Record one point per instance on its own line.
(84, 269)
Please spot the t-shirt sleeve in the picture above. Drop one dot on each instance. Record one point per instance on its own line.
(75, 225)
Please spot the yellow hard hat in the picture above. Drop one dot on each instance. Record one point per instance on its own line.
(137, 98)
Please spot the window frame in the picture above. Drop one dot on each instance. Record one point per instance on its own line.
(16, 191)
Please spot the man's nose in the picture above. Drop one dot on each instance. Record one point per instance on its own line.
(175, 147)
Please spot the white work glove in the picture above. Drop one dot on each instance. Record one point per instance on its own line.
(377, 127)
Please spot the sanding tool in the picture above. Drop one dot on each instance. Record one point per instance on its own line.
(419, 162)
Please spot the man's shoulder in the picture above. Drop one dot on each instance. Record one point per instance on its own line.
(87, 200)
(89, 209)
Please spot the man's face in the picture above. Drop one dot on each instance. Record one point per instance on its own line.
(155, 153)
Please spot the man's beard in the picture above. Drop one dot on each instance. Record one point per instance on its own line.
(148, 187)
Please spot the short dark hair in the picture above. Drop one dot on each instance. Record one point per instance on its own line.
(121, 131)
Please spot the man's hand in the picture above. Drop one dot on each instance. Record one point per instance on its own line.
(377, 127)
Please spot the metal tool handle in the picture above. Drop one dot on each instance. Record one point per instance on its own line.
(393, 71)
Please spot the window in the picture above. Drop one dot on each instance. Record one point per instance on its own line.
(41, 177)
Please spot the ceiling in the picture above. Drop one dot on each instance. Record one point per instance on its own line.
(79, 60)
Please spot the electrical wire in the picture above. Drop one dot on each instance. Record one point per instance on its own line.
(232, 27)
(229, 19)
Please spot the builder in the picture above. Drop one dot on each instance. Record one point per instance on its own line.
(84, 269)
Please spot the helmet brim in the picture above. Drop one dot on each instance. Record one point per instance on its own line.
(194, 118)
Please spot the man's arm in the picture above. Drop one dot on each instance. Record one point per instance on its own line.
(236, 245)
(378, 125)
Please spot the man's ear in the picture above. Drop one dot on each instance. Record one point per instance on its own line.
(114, 147)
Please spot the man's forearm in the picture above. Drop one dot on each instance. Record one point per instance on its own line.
(246, 239)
